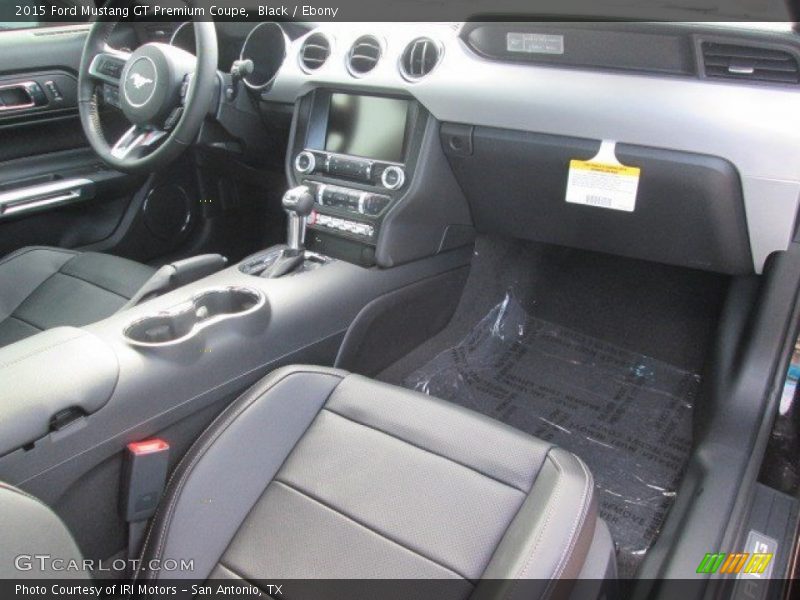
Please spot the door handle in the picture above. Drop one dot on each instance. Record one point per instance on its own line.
(48, 195)
(21, 95)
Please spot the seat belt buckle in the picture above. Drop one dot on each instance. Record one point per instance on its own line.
(143, 478)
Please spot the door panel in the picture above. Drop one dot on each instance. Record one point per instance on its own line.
(87, 219)
(37, 137)
(37, 159)
(53, 189)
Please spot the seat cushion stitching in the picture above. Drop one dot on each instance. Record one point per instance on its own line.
(576, 525)
(540, 536)
(382, 535)
(580, 519)
(24, 251)
(25, 321)
(97, 285)
(505, 531)
(412, 444)
(46, 279)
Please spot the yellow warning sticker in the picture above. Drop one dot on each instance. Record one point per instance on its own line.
(603, 182)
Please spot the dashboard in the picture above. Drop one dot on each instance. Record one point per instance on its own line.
(362, 92)
(680, 103)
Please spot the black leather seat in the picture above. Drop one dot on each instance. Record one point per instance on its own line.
(43, 287)
(316, 473)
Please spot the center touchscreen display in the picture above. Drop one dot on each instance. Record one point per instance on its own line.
(367, 126)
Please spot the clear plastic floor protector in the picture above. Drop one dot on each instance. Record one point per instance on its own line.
(628, 416)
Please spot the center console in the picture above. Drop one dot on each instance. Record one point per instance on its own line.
(357, 155)
(369, 186)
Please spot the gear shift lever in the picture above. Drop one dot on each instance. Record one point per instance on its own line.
(298, 202)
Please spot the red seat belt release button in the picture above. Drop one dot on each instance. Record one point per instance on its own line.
(143, 478)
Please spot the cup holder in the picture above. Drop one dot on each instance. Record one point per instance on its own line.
(184, 321)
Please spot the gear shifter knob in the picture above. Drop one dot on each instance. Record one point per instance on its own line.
(298, 202)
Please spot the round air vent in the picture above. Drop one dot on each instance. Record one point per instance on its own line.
(364, 55)
(420, 58)
(314, 52)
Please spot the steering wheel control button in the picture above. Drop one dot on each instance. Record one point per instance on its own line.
(187, 79)
(305, 162)
(393, 177)
(111, 95)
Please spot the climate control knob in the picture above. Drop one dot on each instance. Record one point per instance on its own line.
(305, 162)
(393, 177)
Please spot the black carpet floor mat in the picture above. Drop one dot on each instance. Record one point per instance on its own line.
(629, 417)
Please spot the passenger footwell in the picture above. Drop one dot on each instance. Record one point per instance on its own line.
(628, 416)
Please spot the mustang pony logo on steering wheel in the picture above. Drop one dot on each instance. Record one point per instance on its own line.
(139, 81)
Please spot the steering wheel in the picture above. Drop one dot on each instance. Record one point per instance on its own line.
(163, 91)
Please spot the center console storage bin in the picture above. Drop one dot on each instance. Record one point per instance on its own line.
(689, 208)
